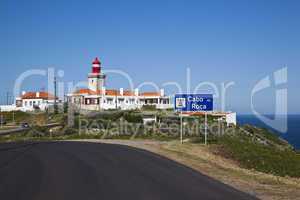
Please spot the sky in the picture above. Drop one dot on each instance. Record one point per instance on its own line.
(217, 41)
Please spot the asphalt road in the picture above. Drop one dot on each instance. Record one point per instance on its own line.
(86, 171)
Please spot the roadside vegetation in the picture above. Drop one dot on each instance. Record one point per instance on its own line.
(280, 161)
(251, 147)
(34, 118)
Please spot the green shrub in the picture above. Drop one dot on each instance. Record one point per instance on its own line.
(108, 115)
(263, 158)
(149, 107)
(70, 131)
(133, 118)
(18, 116)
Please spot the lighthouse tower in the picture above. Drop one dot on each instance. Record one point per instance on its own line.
(96, 79)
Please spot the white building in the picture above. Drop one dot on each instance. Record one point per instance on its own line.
(228, 117)
(97, 97)
(31, 101)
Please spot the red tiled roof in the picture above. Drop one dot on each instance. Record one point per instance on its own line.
(98, 92)
(128, 93)
(113, 92)
(42, 95)
(150, 94)
(87, 91)
(199, 113)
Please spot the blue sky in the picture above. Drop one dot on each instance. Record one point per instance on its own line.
(220, 41)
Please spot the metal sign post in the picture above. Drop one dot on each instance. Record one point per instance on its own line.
(181, 128)
(193, 103)
(205, 129)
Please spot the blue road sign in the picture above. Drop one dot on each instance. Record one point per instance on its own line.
(193, 102)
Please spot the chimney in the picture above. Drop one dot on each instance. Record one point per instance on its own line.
(23, 93)
(162, 92)
(37, 95)
(121, 91)
(136, 92)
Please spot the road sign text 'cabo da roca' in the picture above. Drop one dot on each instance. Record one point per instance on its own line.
(194, 102)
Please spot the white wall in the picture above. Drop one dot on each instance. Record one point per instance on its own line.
(93, 84)
(231, 118)
(127, 103)
(164, 106)
(28, 104)
(9, 108)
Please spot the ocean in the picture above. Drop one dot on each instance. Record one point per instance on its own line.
(292, 135)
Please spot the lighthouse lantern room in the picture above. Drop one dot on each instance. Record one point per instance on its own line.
(96, 79)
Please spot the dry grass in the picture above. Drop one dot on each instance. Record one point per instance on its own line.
(206, 161)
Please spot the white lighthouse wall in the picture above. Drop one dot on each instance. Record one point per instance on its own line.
(93, 84)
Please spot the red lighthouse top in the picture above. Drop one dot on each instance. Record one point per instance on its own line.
(96, 69)
(96, 61)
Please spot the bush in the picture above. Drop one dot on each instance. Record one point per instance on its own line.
(149, 107)
(17, 115)
(133, 118)
(70, 131)
(111, 115)
(263, 158)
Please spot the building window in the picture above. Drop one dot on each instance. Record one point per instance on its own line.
(30, 103)
(131, 101)
(110, 100)
(121, 101)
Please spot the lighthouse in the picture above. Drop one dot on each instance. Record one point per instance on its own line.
(96, 79)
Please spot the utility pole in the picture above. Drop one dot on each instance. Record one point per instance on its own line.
(7, 98)
(55, 96)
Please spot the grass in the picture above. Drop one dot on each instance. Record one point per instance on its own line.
(260, 157)
(43, 133)
(18, 117)
(265, 133)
